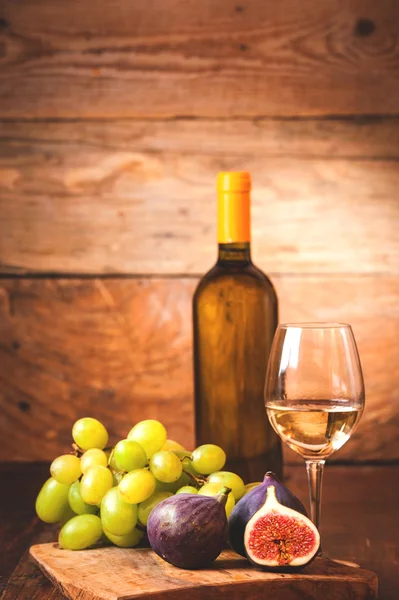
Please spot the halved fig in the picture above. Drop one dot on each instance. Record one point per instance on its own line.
(252, 501)
(279, 537)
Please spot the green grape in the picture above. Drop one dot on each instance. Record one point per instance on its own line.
(182, 454)
(89, 433)
(161, 486)
(126, 541)
(117, 478)
(250, 486)
(93, 458)
(150, 434)
(230, 480)
(146, 507)
(172, 446)
(165, 466)
(80, 532)
(185, 458)
(66, 469)
(129, 455)
(112, 462)
(76, 502)
(208, 459)
(187, 466)
(117, 516)
(95, 484)
(184, 478)
(68, 514)
(187, 489)
(213, 489)
(52, 501)
(137, 486)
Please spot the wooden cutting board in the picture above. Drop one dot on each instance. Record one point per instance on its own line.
(119, 574)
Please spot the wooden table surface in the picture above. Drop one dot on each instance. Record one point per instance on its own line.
(359, 524)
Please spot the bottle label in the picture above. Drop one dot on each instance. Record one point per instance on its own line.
(233, 217)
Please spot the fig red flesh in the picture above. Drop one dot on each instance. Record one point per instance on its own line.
(277, 536)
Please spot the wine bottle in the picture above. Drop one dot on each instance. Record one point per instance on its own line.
(235, 314)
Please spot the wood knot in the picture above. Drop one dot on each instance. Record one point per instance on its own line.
(364, 28)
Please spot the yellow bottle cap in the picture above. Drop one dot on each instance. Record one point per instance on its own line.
(233, 190)
(234, 181)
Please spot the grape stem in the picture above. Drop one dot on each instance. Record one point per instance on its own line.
(77, 451)
(197, 480)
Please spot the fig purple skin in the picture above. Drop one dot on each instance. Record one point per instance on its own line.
(245, 509)
(188, 530)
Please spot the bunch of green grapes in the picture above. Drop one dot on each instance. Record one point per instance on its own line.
(106, 494)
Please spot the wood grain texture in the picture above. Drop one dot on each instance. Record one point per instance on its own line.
(370, 305)
(198, 58)
(27, 583)
(19, 524)
(140, 197)
(357, 523)
(120, 574)
(120, 350)
(362, 138)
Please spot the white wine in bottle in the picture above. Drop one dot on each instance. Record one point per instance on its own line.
(235, 315)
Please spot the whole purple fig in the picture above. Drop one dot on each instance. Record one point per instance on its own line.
(189, 530)
(249, 504)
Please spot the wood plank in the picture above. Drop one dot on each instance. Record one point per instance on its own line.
(27, 583)
(125, 574)
(16, 535)
(232, 58)
(363, 138)
(18, 523)
(356, 523)
(153, 196)
(120, 350)
(370, 305)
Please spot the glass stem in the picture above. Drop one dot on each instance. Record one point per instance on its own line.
(315, 470)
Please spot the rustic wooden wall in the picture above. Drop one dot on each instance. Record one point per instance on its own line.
(114, 120)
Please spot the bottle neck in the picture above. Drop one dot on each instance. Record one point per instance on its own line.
(234, 233)
(234, 254)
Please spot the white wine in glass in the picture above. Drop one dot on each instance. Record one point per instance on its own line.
(314, 394)
(314, 429)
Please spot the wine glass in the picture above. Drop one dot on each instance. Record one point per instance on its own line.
(314, 394)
